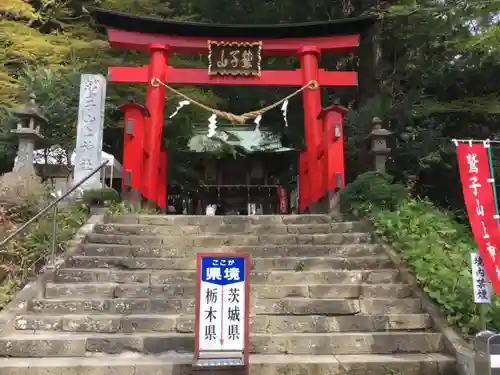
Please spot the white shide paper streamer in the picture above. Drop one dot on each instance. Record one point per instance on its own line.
(479, 280)
(181, 104)
(212, 125)
(284, 109)
(257, 124)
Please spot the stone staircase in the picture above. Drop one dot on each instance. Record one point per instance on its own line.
(325, 301)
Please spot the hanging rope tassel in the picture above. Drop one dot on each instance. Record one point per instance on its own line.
(236, 119)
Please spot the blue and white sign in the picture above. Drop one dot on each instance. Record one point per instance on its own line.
(221, 303)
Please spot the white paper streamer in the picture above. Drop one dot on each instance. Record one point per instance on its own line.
(284, 109)
(257, 124)
(212, 125)
(181, 104)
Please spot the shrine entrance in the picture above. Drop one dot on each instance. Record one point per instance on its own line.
(235, 53)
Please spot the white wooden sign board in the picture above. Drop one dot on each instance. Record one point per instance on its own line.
(222, 302)
(480, 284)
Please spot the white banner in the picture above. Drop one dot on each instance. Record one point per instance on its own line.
(480, 284)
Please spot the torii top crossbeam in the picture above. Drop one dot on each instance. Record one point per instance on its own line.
(139, 33)
(136, 33)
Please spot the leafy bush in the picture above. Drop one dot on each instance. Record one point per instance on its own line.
(433, 244)
(27, 252)
(96, 197)
(372, 189)
(21, 196)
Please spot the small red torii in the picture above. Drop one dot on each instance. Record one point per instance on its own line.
(145, 164)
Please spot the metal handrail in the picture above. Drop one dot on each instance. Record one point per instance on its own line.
(53, 204)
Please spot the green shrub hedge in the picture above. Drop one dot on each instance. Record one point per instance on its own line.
(101, 196)
(435, 247)
(23, 195)
(24, 254)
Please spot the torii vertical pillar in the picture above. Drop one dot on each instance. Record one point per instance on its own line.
(311, 96)
(155, 102)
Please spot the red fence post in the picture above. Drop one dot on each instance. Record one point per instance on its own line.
(162, 182)
(304, 184)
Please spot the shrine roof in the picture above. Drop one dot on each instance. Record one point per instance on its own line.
(121, 21)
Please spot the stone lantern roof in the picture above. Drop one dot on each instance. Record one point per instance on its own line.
(30, 110)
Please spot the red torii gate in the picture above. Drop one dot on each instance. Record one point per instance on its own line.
(144, 163)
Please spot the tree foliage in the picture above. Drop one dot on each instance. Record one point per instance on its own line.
(428, 69)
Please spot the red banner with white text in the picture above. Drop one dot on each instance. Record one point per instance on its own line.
(480, 202)
(282, 201)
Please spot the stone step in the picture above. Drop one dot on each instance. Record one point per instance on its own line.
(220, 228)
(286, 306)
(232, 240)
(330, 291)
(60, 344)
(160, 277)
(175, 364)
(181, 220)
(274, 263)
(101, 323)
(167, 251)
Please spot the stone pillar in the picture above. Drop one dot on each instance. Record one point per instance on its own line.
(89, 131)
(28, 133)
(378, 144)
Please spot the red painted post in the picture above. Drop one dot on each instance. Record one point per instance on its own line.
(312, 125)
(135, 117)
(162, 182)
(333, 144)
(304, 184)
(155, 101)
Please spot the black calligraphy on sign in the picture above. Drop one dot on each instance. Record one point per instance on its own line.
(233, 332)
(210, 314)
(210, 332)
(211, 295)
(234, 295)
(234, 58)
(481, 291)
(234, 314)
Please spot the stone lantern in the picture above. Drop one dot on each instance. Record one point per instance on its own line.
(378, 144)
(28, 133)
